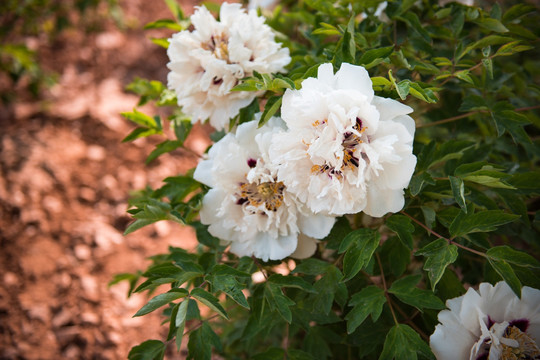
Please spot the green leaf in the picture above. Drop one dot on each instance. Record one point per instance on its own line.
(513, 122)
(164, 24)
(439, 254)
(209, 300)
(137, 224)
(311, 266)
(492, 24)
(162, 148)
(397, 255)
(507, 273)
(230, 286)
(517, 11)
(369, 301)
(486, 41)
(327, 288)
(148, 350)
(277, 301)
(405, 290)
(142, 119)
(374, 57)
(402, 226)
(203, 236)
(163, 42)
(484, 221)
(458, 190)
(160, 300)
(180, 322)
(341, 228)
(403, 343)
(513, 256)
(412, 19)
(291, 281)
(360, 246)
(140, 132)
(271, 107)
(201, 342)
(473, 102)
(419, 181)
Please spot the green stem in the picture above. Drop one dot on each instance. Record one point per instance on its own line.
(388, 300)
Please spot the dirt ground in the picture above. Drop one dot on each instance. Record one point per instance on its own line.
(65, 179)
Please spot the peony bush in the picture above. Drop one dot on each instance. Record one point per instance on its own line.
(372, 190)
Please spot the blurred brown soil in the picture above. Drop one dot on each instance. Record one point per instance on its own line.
(65, 179)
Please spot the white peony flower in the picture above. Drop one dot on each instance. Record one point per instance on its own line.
(247, 206)
(345, 149)
(207, 63)
(492, 323)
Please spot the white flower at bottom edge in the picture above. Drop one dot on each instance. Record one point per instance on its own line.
(209, 61)
(492, 323)
(247, 206)
(345, 150)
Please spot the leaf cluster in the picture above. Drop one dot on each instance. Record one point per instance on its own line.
(374, 287)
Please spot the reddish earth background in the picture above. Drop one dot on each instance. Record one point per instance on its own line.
(65, 179)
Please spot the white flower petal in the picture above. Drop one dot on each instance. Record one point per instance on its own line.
(345, 150)
(209, 61)
(476, 323)
(352, 77)
(247, 206)
(306, 247)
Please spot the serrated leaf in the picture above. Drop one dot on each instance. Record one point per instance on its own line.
(405, 290)
(458, 190)
(439, 254)
(403, 343)
(483, 221)
(402, 226)
(160, 300)
(148, 350)
(209, 300)
(369, 301)
(360, 246)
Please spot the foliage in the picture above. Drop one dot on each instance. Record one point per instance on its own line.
(374, 286)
